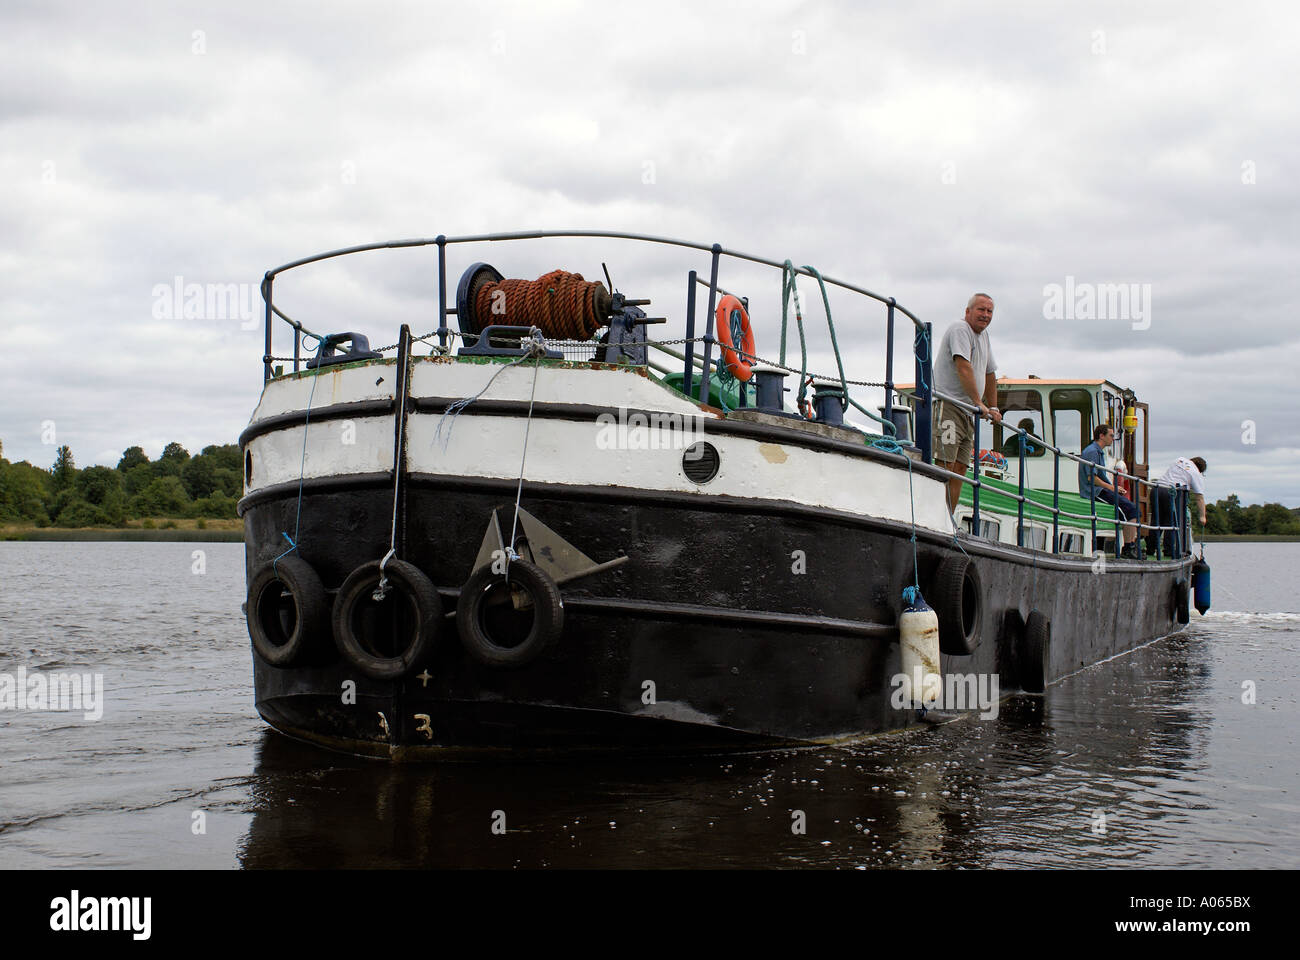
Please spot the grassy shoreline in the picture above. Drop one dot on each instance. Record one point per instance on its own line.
(147, 529)
(232, 531)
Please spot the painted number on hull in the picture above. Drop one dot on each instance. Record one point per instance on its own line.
(424, 727)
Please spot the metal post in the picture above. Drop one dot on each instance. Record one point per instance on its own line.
(975, 487)
(1175, 524)
(442, 291)
(1184, 531)
(1092, 503)
(708, 324)
(924, 392)
(1119, 538)
(689, 375)
(1156, 522)
(266, 358)
(1139, 540)
(889, 363)
(1151, 513)
(297, 339)
(1056, 499)
(740, 384)
(401, 403)
(1020, 533)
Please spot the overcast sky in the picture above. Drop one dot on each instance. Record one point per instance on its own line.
(922, 150)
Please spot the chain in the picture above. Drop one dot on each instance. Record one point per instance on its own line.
(453, 334)
(770, 363)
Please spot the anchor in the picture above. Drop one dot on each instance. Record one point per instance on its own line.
(555, 556)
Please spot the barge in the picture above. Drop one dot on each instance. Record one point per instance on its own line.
(542, 529)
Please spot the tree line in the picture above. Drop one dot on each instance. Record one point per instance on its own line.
(1229, 516)
(208, 484)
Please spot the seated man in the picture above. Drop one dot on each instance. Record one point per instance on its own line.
(1011, 449)
(1095, 484)
(1182, 472)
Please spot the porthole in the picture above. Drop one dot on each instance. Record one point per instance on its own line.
(700, 462)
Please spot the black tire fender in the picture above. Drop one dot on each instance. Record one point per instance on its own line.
(548, 614)
(409, 586)
(957, 596)
(1181, 609)
(1035, 653)
(292, 578)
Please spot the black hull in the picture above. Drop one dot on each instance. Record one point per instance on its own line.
(743, 652)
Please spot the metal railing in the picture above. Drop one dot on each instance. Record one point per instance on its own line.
(442, 242)
(923, 400)
(1180, 528)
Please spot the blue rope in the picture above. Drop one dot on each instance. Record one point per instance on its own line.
(302, 465)
(788, 289)
(830, 325)
(913, 593)
(922, 338)
(847, 400)
(957, 543)
(454, 409)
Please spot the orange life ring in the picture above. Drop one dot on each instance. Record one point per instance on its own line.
(737, 367)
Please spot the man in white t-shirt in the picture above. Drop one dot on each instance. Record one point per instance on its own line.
(1182, 472)
(964, 368)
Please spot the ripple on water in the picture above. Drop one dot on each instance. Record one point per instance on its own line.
(1152, 759)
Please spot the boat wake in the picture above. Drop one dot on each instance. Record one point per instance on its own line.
(1236, 616)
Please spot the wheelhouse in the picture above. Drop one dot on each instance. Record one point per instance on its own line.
(1062, 412)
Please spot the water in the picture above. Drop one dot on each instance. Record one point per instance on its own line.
(1155, 759)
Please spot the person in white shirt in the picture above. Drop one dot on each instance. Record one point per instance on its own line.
(1182, 472)
(964, 368)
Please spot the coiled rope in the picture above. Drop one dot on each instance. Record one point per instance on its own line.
(560, 304)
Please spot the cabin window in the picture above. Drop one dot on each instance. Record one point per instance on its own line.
(1072, 419)
(1112, 409)
(1069, 542)
(1140, 438)
(1020, 408)
(989, 529)
(1031, 536)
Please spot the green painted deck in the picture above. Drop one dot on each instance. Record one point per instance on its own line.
(997, 497)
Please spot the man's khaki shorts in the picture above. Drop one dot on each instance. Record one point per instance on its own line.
(952, 433)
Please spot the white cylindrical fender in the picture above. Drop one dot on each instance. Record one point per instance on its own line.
(918, 637)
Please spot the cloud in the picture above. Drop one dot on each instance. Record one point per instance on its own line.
(923, 155)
